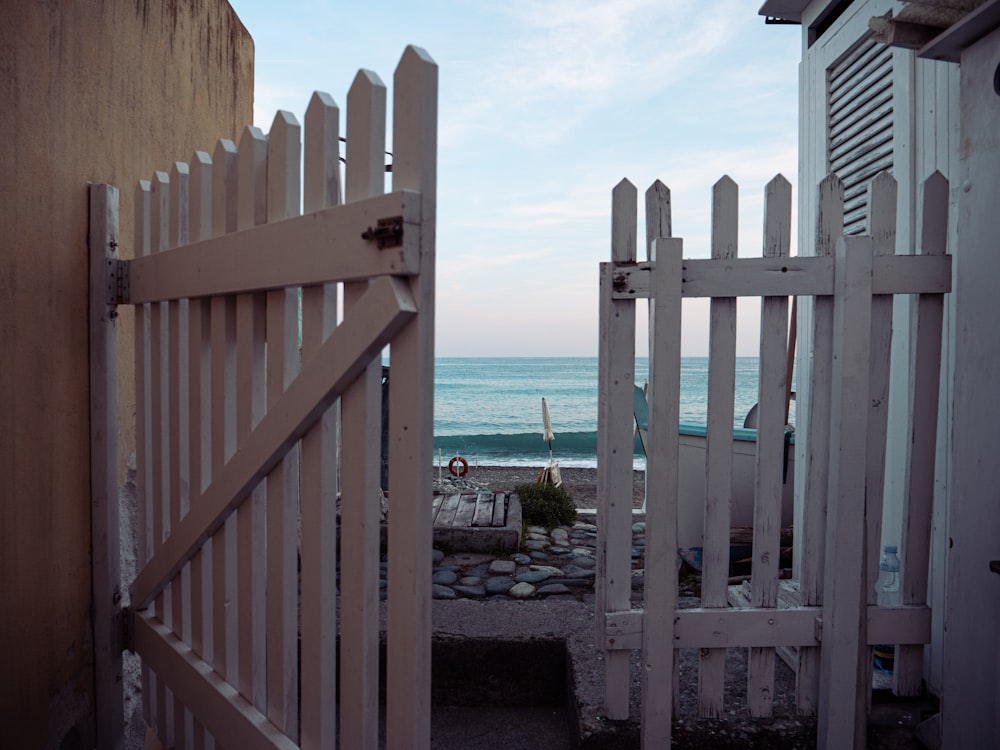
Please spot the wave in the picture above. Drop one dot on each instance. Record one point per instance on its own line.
(522, 448)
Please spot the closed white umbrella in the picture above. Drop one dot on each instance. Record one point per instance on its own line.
(550, 474)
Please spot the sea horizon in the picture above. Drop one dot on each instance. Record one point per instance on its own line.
(488, 409)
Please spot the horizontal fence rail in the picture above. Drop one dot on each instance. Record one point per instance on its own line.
(827, 618)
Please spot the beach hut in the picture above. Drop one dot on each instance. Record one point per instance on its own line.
(914, 88)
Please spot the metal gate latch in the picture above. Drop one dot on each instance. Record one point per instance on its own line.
(387, 232)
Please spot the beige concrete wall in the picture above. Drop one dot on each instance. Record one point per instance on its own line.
(101, 91)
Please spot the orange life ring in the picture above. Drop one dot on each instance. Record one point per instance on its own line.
(460, 472)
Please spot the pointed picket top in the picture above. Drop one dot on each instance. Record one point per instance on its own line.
(624, 215)
(159, 222)
(659, 222)
(224, 175)
(179, 204)
(725, 218)
(882, 193)
(251, 170)
(777, 217)
(200, 210)
(321, 181)
(934, 220)
(284, 160)
(829, 214)
(415, 125)
(143, 194)
(365, 149)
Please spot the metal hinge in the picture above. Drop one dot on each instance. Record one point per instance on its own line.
(117, 281)
(387, 232)
(127, 629)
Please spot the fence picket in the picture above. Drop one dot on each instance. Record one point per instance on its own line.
(919, 499)
(198, 378)
(319, 455)
(282, 490)
(223, 406)
(770, 444)
(251, 323)
(365, 177)
(411, 429)
(842, 593)
(615, 429)
(663, 475)
(810, 514)
(143, 427)
(719, 445)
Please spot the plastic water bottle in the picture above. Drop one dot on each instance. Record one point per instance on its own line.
(887, 587)
(887, 591)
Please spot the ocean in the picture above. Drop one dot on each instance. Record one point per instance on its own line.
(489, 410)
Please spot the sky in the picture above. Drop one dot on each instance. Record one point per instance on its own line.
(544, 106)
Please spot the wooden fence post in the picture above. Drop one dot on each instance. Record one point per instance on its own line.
(105, 533)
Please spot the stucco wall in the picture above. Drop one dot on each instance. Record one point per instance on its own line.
(100, 91)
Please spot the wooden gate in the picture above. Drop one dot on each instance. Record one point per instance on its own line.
(240, 360)
(828, 617)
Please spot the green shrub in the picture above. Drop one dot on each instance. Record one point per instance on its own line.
(546, 505)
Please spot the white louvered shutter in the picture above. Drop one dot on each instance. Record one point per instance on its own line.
(859, 125)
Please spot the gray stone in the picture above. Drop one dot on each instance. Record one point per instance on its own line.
(498, 585)
(537, 530)
(474, 591)
(538, 555)
(551, 570)
(532, 576)
(471, 581)
(582, 574)
(639, 527)
(558, 549)
(584, 561)
(444, 577)
(521, 590)
(442, 592)
(583, 551)
(535, 544)
(553, 588)
(520, 558)
(437, 555)
(502, 567)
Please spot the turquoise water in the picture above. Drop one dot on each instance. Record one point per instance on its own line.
(489, 410)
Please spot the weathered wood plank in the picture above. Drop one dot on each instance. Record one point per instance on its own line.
(275, 255)
(385, 307)
(321, 188)
(845, 508)
(411, 430)
(768, 481)
(615, 436)
(361, 407)
(466, 511)
(798, 275)
(251, 313)
(810, 512)
(105, 532)
(663, 476)
(199, 445)
(483, 513)
(282, 515)
(919, 499)
(500, 509)
(159, 233)
(719, 444)
(223, 435)
(446, 513)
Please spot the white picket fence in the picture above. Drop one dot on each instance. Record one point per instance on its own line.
(240, 360)
(828, 616)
